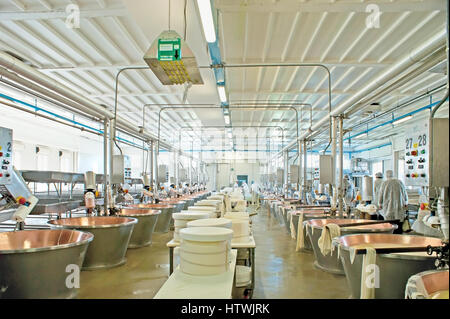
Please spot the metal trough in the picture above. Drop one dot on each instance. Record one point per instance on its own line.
(164, 219)
(331, 262)
(143, 230)
(33, 263)
(112, 235)
(394, 268)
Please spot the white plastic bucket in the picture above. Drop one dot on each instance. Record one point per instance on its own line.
(205, 250)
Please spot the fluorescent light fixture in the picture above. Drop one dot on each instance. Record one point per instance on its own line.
(360, 136)
(204, 7)
(227, 120)
(403, 119)
(222, 93)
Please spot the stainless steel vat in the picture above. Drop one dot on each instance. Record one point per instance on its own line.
(33, 263)
(394, 269)
(143, 230)
(330, 262)
(179, 204)
(434, 281)
(112, 235)
(307, 215)
(164, 219)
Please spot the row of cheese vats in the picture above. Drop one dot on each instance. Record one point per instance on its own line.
(39, 263)
(376, 262)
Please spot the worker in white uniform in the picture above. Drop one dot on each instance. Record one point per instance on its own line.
(376, 186)
(393, 200)
(349, 193)
(255, 192)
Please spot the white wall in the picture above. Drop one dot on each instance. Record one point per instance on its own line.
(81, 151)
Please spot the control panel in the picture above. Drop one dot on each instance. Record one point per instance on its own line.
(417, 155)
(5, 155)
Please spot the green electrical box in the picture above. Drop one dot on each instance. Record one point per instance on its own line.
(169, 49)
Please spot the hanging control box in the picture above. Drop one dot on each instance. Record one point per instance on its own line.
(121, 169)
(417, 151)
(5, 156)
(420, 168)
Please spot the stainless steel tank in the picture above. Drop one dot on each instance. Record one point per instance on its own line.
(179, 204)
(394, 269)
(307, 215)
(331, 262)
(434, 285)
(112, 235)
(34, 263)
(143, 230)
(164, 219)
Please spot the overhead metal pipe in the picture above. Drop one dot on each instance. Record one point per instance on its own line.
(409, 59)
(431, 61)
(282, 64)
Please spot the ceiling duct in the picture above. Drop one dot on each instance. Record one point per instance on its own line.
(172, 61)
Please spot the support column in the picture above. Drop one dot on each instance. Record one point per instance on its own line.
(305, 168)
(111, 154)
(285, 173)
(300, 170)
(333, 160)
(105, 166)
(341, 167)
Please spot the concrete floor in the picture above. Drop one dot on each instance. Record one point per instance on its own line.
(280, 271)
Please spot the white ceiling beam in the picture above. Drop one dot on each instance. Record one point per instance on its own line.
(61, 14)
(20, 52)
(101, 3)
(47, 44)
(410, 33)
(386, 33)
(24, 45)
(336, 7)
(108, 39)
(65, 40)
(45, 4)
(267, 39)
(18, 4)
(305, 52)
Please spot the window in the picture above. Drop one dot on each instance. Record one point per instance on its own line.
(377, 167)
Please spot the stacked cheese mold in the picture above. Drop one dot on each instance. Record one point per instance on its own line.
(210, 222)
(181, 220)
(210, 210)
(205, 251)
(240, 225)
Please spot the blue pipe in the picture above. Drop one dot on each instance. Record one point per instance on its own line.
(429, 106)
(37, 109)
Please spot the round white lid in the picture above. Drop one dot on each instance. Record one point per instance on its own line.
(210, 222)
(206, 233)
(190, 215)
(240, 215)
(208, 208)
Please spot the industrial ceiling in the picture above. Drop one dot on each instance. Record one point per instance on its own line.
(114, 34)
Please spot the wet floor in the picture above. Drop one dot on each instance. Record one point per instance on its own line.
(280, 271)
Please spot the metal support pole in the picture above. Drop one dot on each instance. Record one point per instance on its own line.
(110, 158)
(151, 164)
(341, 167)
(286, 171)
(333, 160)
(105, 166)
(300, 169)
(305, 168)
